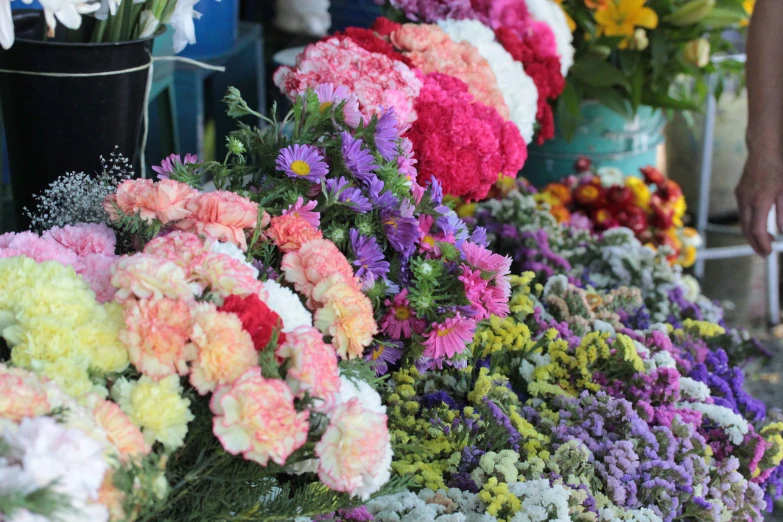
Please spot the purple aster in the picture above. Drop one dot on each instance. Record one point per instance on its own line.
(401, 228)
(386, 135)
(436, 192)
(380, 198)
(173, 163)
(383, 354)
(358, 160)
(346, 194)
(369, 259)
(302, 161)
(452, 225)
(479, 236)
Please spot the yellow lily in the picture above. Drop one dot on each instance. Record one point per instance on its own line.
(622, 17)
(748, 6)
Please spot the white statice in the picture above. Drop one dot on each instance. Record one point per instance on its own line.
(604, 327)
(519, 90)
(233, 251)
(553, 15)
(541, 501)
(43, 453)
(182, 22)
(288, 306)
(733, 425)
(429, 506)
(693, 389)
(631, 515)
(641, 349)
(557, 284)
(662, 359)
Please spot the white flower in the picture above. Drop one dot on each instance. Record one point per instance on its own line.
(691, 287)
(541, 501)
(369, 398)
(6, 24)
(693, 389)
(519, 90)
(611, 176)
(68, 12)
(233, 251)
(604, 327)
(107, 7)
(288, 306)
(662, 359)
(732, 424)
(552, 14)
(148, 25)
(182, 22)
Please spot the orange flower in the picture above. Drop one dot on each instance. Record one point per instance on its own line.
(560, 192)
(587, 194)
(222, 215)
(561, 214)
(170, 199)
(137, 196)
(121, 432)
(599, 4)
(290, 232)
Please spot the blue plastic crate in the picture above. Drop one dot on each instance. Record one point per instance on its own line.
(216, 30)
(353, 13)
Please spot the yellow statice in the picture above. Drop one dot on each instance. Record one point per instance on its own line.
(54, 325)
(773, 434)
(627, 350)
(158, 408)
(533, 441)
(521, 303)
(498, 334)
(500, 501)
(703, 328)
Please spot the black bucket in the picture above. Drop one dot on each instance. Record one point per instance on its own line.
(58, 124)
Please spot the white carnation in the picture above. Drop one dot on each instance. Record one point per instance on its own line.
(552, 14)
(288, 306)
(233, 251)
(519, 90)
(368, 397)
(732, 424)
(693, 389)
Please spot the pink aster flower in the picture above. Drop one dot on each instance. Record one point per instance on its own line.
(312, 365)
(84, 238)
(172, 163)
(329, 95)
(355, 451)
(305, 211)
(256, 417)
(449, 338)
(483, 259)
(400, 321)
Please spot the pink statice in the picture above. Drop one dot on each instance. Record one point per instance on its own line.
(376, 80)
(305, 211)
(84, 238)
(449, 338)
(329, 95)
(400, 321)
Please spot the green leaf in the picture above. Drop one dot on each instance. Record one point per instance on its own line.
(569, 112)
(637, 87)
(591, 70)
(610, 98)
(665, 101)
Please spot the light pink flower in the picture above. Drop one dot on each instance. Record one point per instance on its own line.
(225, 275)
(347, 316)
(126, 438)
(137, 196)
(223, 215)
(180, 247)
(449, 338)
(290, 232)
(316, 261)
(305, 211)
(149, 277)
(156, 335)
(256, 417)
(355, 451)
(22, 394)
(96, 270)
(225, 349)
(312, 365)
(84, 238)
(171, 198)
(30, 245)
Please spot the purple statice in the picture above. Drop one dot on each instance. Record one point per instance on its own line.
(386, 134)
(302, 162)
(401, 228)
(437, 399)
(383, 354)
(368, 258)
(358, 160)
(503, 421)
(468, 462)
(380, 198)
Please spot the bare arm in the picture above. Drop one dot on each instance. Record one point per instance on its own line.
(761, 185)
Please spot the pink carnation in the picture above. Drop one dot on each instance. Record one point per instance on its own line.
(355, 451)
(225, 349)
(432, 50)
(347, 316)
(514, 15)
(316, 261)
(225, 275)
(180, 247)
(290, 232)
(256, 417)
(126, 438)
(30, 245)
(375, 79)
(222, 215)
(96, 270)
(137, 196)
(22, 394)
(149, 277)
(312, 365)
(171, 198)
(156, 335)
(84, 238)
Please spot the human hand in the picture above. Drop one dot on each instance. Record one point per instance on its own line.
(760, 187)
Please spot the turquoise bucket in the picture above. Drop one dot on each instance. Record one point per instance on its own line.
(608, 139)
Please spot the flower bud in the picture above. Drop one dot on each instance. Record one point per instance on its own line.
(639, 41)
(697, 52)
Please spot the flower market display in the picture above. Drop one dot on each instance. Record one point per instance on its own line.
(324, 332)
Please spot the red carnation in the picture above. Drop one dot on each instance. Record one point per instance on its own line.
(257, 319)
(370, 41)
(461, 142)
(652, 175)
(385, 27)
(543, 68)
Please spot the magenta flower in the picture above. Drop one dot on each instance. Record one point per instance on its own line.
(449, 338)
(400, 321)
(305, 211)
(302, 161)
(169, 165)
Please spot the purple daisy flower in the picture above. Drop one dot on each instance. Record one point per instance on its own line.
(479, 236)
(302, 161)
(359, 161)
(451, 224)
(383, 354)
(346, 194)
(401, 228)
(380, 198)
(171, 164)
(369, 259)
(386, 135)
